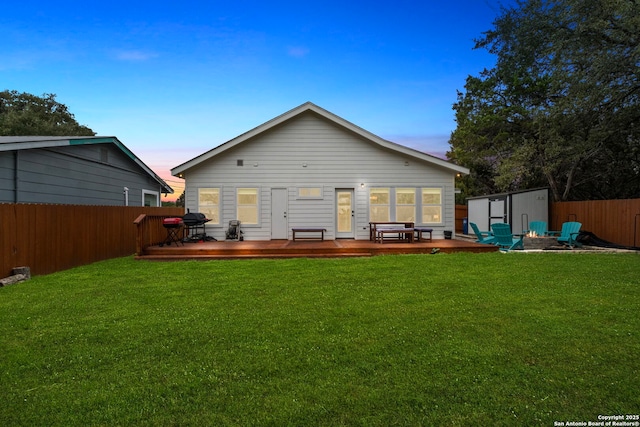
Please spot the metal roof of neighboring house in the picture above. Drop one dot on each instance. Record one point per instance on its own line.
(309, 106)
(10, 143)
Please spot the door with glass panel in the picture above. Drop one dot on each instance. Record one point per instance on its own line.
(345, 215)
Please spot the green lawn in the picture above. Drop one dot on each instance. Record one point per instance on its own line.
(459, 339)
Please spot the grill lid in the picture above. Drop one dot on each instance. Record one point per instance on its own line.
(191, 218)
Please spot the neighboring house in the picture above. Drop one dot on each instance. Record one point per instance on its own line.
(311, 168)
(84, 170)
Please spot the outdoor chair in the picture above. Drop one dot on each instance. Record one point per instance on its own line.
(234, 232)
(569, 234)
(505, 239)
(537, 227)
(482, 236)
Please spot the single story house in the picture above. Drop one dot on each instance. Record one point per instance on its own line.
(83, 170)
(311, 168)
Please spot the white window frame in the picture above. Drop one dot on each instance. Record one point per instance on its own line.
(424, 205)
(301, 190)
(152, 193)
(388, 205)
(257, 206)
(206, 208)
(405, 190)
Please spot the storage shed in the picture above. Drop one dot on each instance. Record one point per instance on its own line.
(516, 208)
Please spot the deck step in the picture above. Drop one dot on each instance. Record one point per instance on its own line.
(184, 257)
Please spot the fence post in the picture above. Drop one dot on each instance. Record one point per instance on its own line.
(139, 222)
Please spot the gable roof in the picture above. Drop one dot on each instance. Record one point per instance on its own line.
(309, 106)
(10, 143)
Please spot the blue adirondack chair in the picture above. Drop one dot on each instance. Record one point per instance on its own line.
(569, 234)
(538, 227)
(482, 236)
(505, 239)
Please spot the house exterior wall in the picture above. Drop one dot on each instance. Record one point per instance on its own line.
(310, 151)
(77, 174)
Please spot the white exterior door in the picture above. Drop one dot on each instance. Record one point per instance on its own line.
(497, 210)
(279, 213)
(345, 215)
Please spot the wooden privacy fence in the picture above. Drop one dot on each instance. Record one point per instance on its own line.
(462, 211)
(617, 221)
(50, 238)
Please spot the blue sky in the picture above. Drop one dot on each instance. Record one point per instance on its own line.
(174, 79)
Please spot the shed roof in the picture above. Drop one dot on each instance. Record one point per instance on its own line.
(309, 106)
(11, 143)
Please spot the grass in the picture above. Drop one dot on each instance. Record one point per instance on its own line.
(460, 339)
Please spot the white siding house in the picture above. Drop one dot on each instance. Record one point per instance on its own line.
(311, 168)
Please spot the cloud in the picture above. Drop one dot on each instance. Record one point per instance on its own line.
(134, 55)
(298, 51)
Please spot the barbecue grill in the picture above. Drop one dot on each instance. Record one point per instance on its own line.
(194, 222)
(173, 226)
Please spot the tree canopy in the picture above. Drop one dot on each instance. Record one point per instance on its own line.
(561, 107)
(24, 114)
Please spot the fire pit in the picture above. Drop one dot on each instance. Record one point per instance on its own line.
(533, 241)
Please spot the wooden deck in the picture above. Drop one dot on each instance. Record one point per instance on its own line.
(306, 249)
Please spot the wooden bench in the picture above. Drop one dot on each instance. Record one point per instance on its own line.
(373, 226)
(420, 230)
(407, 232)
(309, 230)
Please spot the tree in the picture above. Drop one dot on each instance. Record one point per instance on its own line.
(180, 200)
(562, 105)
(26, 114)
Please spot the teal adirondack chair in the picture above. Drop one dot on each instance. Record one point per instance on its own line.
(482, 236)
(505, 239)
(569, 234)
(538, 227)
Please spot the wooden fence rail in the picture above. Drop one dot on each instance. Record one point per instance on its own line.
(462, 211)
(50, 238)
(617, 221)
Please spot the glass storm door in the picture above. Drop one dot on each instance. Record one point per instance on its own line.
(345, 216)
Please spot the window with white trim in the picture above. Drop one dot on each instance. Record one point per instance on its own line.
(209, 204)
(431, 205)
(150, 198)
(405, 204)
(310, 192)
(247, 205)
(379, 205)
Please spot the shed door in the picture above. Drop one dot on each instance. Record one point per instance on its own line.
(279, 213)
(345, 215)
(497, 210)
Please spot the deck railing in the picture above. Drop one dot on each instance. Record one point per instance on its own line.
(149, 231)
